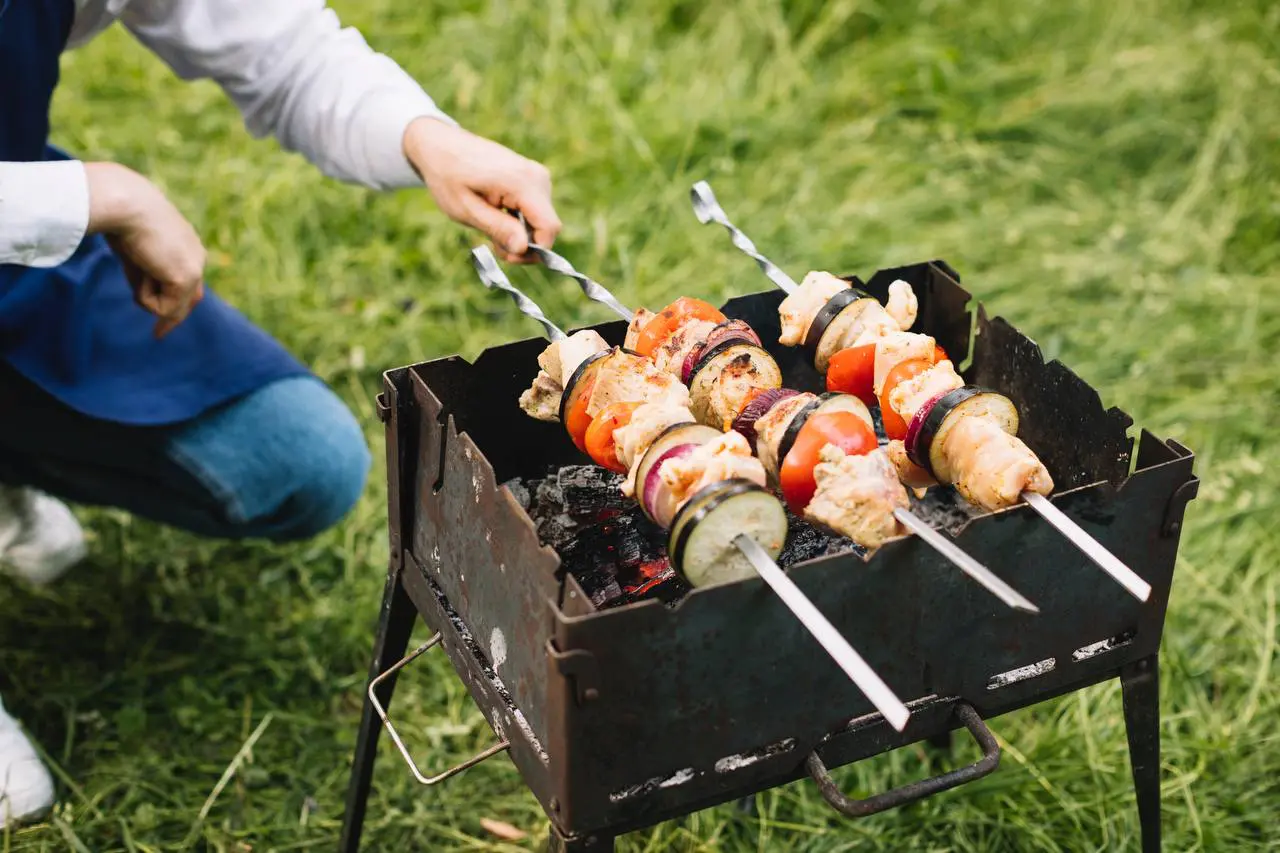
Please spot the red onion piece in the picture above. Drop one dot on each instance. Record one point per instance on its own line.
(730, 330)
(756, 409)
(653, 482)
(917, 420)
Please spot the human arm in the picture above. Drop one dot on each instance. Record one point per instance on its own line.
(47, 208)
(295, 73)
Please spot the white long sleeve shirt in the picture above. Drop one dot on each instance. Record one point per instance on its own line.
(290, 68)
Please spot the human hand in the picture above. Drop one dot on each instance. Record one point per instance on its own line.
(162, 255)
(482, 184)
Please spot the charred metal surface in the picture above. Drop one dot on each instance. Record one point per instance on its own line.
(486, 683)
(473, 541)
(1061, 416)
(647, 712)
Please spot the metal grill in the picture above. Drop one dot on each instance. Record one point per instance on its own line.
(624, 717)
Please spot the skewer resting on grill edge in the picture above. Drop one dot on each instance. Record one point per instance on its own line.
(707, 209)
(967, 564)
(859, 672)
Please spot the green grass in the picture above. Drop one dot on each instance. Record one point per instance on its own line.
(1106, 175)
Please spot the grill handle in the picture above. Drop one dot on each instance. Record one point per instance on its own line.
(915, 790)
(395, 737)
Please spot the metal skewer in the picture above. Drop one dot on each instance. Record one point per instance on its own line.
(863, 677)
(940, 543)
(707, 209)
(1107, 561)
(495, 279)
(825, 633)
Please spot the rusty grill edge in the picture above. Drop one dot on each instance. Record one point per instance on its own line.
(624, 718)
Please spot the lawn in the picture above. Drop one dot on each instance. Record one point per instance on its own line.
(1106, 175)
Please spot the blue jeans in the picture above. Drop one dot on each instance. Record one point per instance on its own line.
(285, 462)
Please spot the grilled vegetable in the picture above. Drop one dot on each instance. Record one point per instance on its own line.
(577, 393)
(833, 401)
(853, 371)
(658, 500)
(725, 378)
(894, 425)
(845, 430)
(729, 330)
(701, 543)
(669, 319)
(836, 305)
(760, 402)
(673, 436)
(600, 443)
(942, 413)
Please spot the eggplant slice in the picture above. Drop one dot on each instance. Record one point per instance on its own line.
(702, 549)
(971, 400)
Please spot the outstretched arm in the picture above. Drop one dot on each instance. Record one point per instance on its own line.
(297, 74)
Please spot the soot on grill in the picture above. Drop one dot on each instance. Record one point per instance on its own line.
(617, 554)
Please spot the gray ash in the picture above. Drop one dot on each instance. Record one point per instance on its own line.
(617, 554)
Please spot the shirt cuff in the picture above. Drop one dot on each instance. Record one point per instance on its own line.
(385, 121)
(44, 211)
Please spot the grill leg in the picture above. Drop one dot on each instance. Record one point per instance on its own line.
(394, 628)
(583, 844)
(1140, 686)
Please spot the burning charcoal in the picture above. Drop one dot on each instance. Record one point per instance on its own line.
(806, 542)
(591, 491)
(943, 508)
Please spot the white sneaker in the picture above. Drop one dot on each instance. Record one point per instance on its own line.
(39, 537)
(26, 789)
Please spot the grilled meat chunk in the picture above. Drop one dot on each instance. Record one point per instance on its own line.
(911, 394)
(902, 304)
(558, 361)
(798, 309)
(724, 458)
(990, 467)
(541, 400)
(856, 496)
(628, 378)
(647, 423)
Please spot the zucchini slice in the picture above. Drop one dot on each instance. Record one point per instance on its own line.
(971, 400)
(577, 384)
(701, 544)
(827, 313)
(837, 401)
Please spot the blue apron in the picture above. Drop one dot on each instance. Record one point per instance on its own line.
(74, 330)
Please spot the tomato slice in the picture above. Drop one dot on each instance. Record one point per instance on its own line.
(599, 440)
(666, 321)
(852, 371)
(894, 426)
(845, 430)
(576, 419)
(939, 354)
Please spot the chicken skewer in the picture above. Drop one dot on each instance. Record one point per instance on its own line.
(830, 296)
(757, 557)
(831, 468)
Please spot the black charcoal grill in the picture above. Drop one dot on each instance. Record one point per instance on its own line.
(619, 716)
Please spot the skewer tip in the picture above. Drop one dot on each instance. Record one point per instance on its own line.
(704, 201)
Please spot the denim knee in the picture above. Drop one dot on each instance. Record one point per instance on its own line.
(285, 463)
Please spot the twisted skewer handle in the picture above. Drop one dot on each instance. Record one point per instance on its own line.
(593, 290)
(494, 278)
(707, 209)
